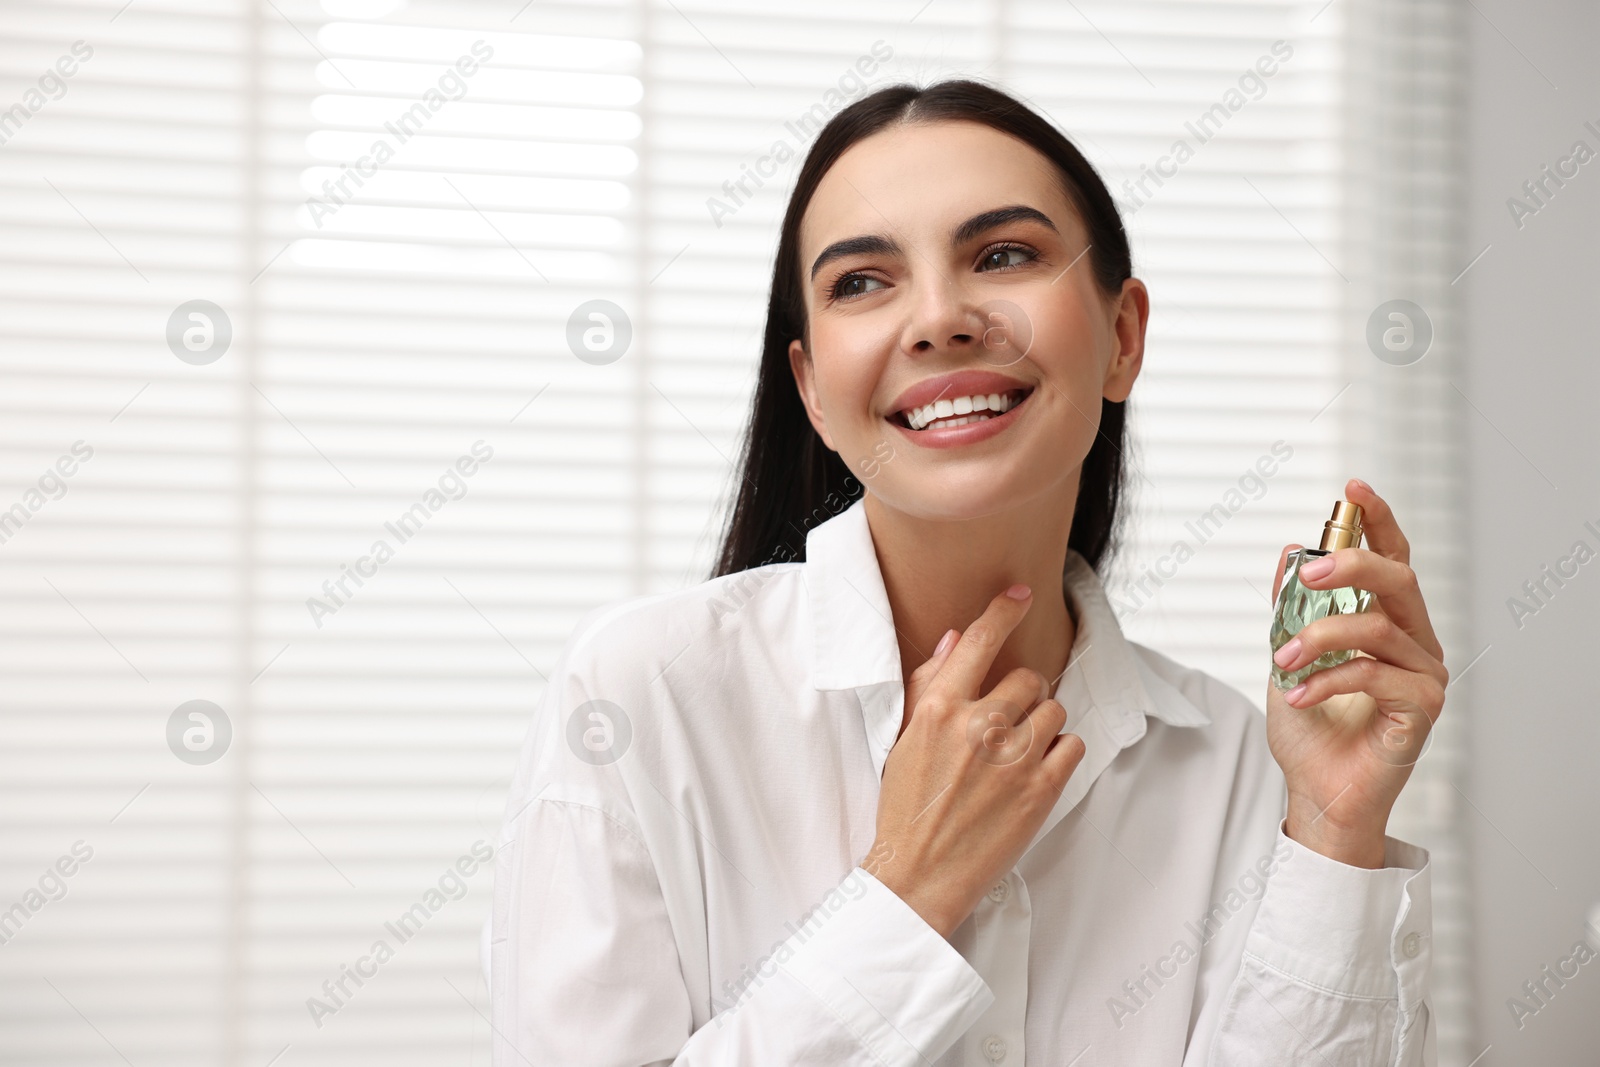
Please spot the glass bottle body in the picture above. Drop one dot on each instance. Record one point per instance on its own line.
(1299, 606)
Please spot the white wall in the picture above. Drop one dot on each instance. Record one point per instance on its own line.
(1529, 327)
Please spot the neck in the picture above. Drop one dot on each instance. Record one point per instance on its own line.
(941, 574)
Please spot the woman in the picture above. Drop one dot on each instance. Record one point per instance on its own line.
(892, 788)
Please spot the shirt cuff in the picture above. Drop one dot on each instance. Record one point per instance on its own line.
(888, 976)
(1350, 930)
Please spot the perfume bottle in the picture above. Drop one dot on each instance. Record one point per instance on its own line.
(1298, 606)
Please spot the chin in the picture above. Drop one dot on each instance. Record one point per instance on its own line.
(946, 499)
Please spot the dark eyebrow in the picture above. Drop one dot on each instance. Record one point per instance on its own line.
(873, 244)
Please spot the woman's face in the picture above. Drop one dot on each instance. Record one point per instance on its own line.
(942, 263)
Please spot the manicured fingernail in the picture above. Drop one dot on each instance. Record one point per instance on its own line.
(1019, 592)
(944, 643)
(1317, 568)
(1364, 485)
(1285, 655)
(1293, 696)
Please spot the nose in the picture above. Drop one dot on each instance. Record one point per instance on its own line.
(943, 315)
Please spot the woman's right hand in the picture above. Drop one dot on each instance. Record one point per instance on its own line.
(972, 777)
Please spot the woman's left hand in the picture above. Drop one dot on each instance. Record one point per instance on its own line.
(1348, 737)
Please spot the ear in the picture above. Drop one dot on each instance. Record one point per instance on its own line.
(1127, 337)
(805, 380)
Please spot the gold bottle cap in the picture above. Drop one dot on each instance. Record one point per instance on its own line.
(1344, 529)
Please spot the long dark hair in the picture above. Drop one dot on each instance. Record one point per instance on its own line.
(789, 480)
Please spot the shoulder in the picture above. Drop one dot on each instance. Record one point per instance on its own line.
(638, 637)
(640, 672)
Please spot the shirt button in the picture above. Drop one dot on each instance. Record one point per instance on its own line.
(994, 1048)
(998, 894)
(1411, 944)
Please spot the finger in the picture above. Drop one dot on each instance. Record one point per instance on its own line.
(1390, 580)
(1378, 523)
(1048, 717)
(1283, 561)
(1384, 682)
(1020, 690)
(1002, 731)
(1042, 726)
(1062, 757)
(941, 652)
(968, 663)
(1370, 632)
(917, 684)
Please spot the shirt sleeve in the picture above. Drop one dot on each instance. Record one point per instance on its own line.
(1335, 966)
(884, 983)
(585, 967)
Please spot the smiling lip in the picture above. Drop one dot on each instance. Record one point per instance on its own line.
(967, 433)
(961, 383)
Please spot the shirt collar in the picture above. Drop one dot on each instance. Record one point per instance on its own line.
(854, 638)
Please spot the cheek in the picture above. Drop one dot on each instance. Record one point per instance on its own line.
(1070, 351)
(850, 363)
(1067, 346)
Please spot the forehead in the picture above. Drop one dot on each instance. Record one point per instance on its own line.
(921, 179)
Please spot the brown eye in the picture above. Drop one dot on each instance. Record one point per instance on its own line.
(846, 287)
(999, 257)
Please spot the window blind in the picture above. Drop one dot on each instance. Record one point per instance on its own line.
(363, 528)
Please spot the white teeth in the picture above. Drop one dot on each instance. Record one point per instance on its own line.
(962, 420)
(999, 403)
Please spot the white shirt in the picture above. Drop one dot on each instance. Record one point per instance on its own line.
(678, 879)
